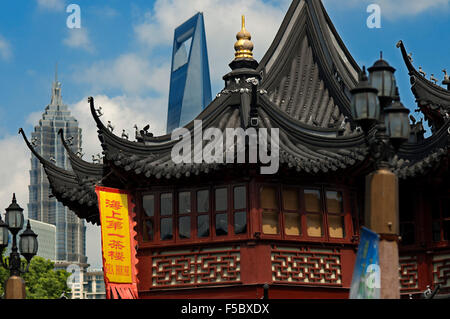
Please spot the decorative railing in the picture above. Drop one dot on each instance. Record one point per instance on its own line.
(306, 265)
(409, 274)
(441, 271)
(194, 268)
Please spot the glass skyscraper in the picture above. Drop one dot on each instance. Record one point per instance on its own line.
(190, 83)
(70, 230)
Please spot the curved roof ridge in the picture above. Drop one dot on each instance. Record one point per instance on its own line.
(81, 167)
(307, 70)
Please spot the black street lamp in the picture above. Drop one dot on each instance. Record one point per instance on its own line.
(28, 245)
(376, 107)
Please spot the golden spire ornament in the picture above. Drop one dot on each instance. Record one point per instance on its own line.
(244, 45)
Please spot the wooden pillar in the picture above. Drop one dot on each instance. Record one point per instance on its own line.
(382, 217)
(15, 288)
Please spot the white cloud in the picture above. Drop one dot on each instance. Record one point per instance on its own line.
(222, 22)
(129, 72)
(78, 39)
(399, 8)
(5, 49)
(54, 5)
(15, 163)
(123, 112)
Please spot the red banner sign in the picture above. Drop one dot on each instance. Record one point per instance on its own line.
(118, 243)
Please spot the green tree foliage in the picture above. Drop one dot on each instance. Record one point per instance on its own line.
(3, 276)
(41, 280)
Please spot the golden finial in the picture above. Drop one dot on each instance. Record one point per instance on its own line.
(244, 45)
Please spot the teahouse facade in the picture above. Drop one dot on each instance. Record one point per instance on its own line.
(212, 230)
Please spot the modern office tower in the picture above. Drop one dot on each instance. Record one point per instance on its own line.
(46, 239)
(70, 230)
(190, 83)
(94, 285)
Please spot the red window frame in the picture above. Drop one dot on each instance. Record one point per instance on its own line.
(347, 214)
(212, 237)
(440, 202)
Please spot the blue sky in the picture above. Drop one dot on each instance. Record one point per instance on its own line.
(121, 56)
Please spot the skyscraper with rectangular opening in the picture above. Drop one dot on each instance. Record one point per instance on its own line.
(190, 83)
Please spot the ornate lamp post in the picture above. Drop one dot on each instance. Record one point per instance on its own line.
(28, 246)
(386, 126)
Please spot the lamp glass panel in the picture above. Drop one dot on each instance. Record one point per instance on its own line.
(3, 236)
(14, 219)
(376, 81)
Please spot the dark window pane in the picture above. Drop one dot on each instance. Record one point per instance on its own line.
(406, 209)
(407, 233)
(268, 197)
(336, 226)
(221, 224)
(446, 208)
(446, 229)
(184, 203)
(290, 199)
(436, 209)
(166, 204)
(240, 197)
(334, 202)
(184, 227)
(203, 226)
(292, 224)
(314, 225)
(166, 229)
(312, 201)
(240, 223)
(148, 201)
(148, 230)
(203, 201)
(436, 231)
(221, 199)
(270, 223)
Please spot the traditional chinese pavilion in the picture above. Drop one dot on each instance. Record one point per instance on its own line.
(225, 230)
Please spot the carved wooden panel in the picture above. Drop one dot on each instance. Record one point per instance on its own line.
(196, 267)
(409, 274)
(441, 271)
(305, 265)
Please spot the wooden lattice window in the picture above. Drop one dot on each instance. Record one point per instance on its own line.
(148, 203)
(335, 214)
(240, 210)
(291, 212)
(313, 209)
(197, 214)
(407, 221)
(203, 213)
(310, 213)
(269, 205)
(440, 213)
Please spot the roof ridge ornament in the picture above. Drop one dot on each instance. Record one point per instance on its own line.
(244, 46)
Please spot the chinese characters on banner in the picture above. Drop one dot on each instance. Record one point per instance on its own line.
(116, 229)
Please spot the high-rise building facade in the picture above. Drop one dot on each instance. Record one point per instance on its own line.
(46, 239)
(190, 83)
(70, 230)
(94, 285)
